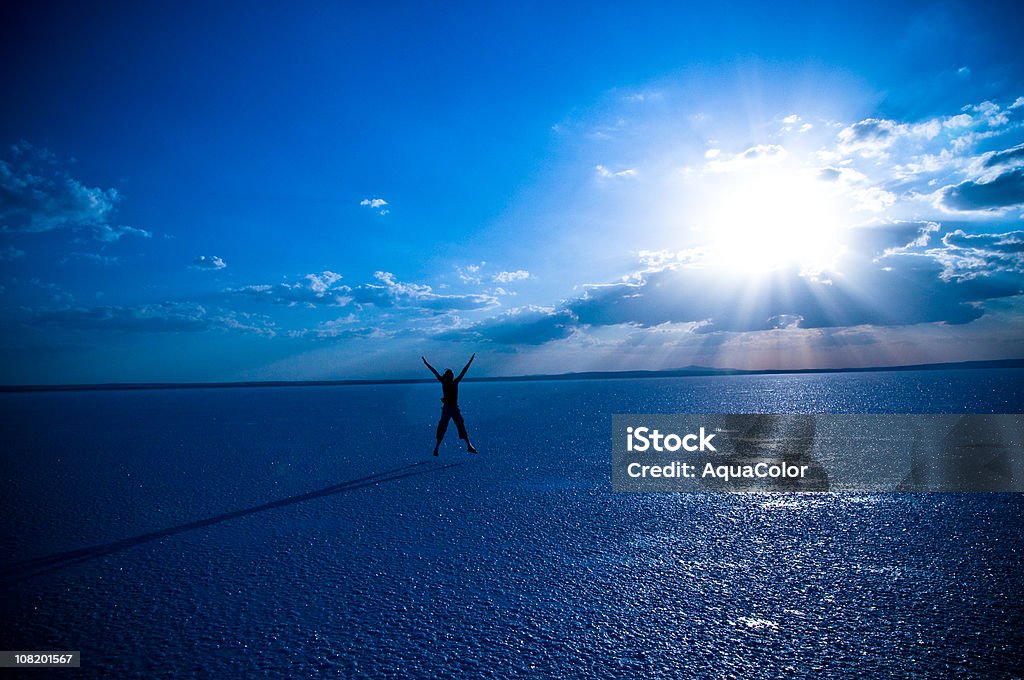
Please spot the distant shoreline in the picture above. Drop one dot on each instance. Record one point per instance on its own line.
(688, 372)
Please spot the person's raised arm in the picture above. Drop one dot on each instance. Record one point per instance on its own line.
(436, 374)
(466, 367)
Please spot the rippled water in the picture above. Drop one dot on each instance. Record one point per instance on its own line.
(305, 531)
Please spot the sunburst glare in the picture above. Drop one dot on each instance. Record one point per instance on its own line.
(761, 221)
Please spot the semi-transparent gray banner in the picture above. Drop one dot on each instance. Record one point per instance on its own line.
(852, 453)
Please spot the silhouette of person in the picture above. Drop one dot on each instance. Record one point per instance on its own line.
(450, 403)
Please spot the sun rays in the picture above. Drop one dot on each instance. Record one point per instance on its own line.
(757, 222)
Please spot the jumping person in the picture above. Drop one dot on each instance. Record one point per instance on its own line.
(450, 403)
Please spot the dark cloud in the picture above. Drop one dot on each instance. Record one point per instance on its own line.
(97, 258)
(897, 296)
(156, 318)
(37, 195)
(844, 337)
(1011, 156)
(869, 129)
(900, 288)
(163, 317)
(526, 326)
(1004, 191)
(830, 174)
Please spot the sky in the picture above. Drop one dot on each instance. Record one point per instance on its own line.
(270, 191)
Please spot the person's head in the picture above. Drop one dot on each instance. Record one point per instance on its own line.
(448, 375)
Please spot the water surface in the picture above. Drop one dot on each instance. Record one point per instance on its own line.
(304, 531)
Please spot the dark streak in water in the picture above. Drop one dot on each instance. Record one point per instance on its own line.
(19, 571)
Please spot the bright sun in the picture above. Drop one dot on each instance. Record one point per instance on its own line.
(773, 219)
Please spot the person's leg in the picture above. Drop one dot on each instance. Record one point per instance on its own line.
(442, 427)
(460, 424)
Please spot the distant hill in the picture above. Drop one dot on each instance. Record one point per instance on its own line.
(692, 371)
(689, 371)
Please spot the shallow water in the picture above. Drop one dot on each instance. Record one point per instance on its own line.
(304, 531)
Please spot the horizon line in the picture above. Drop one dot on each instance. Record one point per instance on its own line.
(687, 372)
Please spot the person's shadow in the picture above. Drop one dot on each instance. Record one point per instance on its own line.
(25, 569)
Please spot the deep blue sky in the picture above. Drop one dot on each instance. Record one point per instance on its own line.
(241, 191)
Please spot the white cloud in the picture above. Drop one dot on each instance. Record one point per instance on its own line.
(378, 204)
(390, 292)
(656, 258)
(928, 129)
(604, 172)
(341, 328)
(871, 136)
(640, 97)
(842, 174)
(664, 259)
(244, 322)
(385, 292)
(470, 273)
(969, 256)
(927, 163)
(874, 199)
(987, 166)
(761, 154)
(11, 253)
(322, 283)
(509, 277)
(98, 258)
(792, 121)
(857, 185)
(958, 121)
(313, 290)
(990, 112)
(209, 262)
